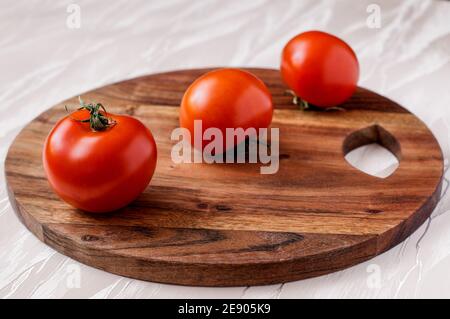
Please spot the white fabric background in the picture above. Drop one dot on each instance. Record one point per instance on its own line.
(42, 62)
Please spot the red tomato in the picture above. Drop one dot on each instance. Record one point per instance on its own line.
(99, 171)
(320, 68)
(226, 98)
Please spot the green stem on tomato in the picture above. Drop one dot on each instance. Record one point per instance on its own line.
(302, 104)
(98, 117)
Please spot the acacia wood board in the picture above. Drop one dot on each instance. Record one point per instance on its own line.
(226, 224)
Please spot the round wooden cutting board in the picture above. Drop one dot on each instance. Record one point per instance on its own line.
(226, 224)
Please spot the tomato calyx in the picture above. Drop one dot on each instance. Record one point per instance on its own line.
(296, 100)
(98, 117)
(305, 106)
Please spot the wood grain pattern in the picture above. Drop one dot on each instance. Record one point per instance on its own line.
(225, 224)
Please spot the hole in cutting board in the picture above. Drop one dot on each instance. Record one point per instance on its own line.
(373, 150)
(373, 159)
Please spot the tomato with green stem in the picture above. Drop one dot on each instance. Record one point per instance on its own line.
(99, 162)
(320, 68)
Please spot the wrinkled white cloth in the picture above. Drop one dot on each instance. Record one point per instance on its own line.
(44, 60)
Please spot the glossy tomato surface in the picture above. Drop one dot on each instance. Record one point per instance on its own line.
(99, 171)
(226, 98)
(320, 68)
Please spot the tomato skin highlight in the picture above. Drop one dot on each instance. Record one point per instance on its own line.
(226, 98)
(99, 171)
(320, 68)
